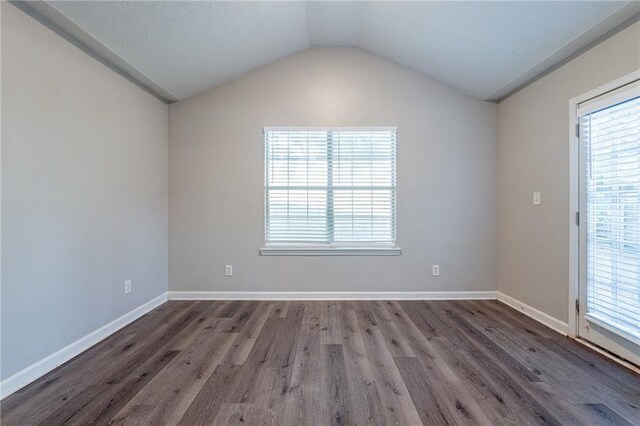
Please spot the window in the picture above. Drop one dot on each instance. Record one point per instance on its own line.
(330, 190)
(610, 129)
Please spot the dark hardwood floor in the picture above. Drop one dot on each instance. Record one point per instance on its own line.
(317, 363)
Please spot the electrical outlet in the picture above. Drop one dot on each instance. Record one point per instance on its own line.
(228, 270)
(127, 286)
(435, 270)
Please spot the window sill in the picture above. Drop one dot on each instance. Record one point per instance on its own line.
(333, 251)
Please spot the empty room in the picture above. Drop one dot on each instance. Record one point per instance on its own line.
(320, 213)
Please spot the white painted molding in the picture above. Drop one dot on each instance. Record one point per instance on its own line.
(329, 295)
(541, 317)
(45, 365)
(335, 251)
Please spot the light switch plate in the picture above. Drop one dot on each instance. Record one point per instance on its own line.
(536, 199)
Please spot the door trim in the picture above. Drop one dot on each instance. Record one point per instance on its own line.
(574, 191)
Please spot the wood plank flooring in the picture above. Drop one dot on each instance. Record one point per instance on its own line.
(339, 363)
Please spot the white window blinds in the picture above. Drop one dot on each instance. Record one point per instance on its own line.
(330, 186)
(610, 129)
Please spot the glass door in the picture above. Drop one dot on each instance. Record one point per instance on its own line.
(609, 308)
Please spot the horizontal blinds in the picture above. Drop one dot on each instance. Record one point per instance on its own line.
(330, 186)
(614, 97)
(612, 142)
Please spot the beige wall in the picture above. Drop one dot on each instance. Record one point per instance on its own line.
(84, 193)
(533, 155)
(446, 177)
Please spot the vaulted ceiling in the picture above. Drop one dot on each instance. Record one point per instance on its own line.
(485, 49)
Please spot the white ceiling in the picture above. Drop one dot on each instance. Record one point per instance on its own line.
(485, 49)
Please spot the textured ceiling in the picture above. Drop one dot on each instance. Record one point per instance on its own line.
(485, 49)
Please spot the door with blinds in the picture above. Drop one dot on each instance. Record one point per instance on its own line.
(609, 303)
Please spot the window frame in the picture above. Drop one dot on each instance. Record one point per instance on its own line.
(330, 249)
(597, 335)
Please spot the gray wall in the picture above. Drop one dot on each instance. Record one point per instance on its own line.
(533, 155)
(84, 193)
(446, 177)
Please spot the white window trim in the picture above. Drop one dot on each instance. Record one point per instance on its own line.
(329, 251)
(616, 329)
(370, 249)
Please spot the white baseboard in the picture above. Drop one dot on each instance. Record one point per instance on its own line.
(332, 295)
(42, 367)
(546, 319)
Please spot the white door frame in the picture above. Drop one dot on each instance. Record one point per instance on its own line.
(574, 191)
